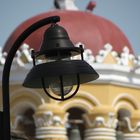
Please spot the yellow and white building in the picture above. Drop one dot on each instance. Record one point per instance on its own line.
(106, 109)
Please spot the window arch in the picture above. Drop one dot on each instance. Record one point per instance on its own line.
(25, 124)
(122, 113)
(75, 123)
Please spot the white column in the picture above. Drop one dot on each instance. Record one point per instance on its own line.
(50, 123)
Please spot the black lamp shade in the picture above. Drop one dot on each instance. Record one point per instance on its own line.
(56, 43)
(53, 70)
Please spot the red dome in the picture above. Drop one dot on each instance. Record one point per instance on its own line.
(85, 27)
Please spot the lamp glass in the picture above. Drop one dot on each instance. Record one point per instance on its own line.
(55, 87)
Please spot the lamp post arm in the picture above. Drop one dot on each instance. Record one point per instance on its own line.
(7, 67)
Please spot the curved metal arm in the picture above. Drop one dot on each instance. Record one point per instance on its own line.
(7, 67)
(62, 96)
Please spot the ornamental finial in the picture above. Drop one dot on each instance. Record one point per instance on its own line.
(91, 5)
(65, 4)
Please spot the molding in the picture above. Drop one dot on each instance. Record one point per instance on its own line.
(125, 71)
(29, 94)
(125, 105)
(128, 99)
(89, 97)
(116, 74)
(49, 125)
(128, 122)
(51, 132)
(131, 136)
(83, 100)
(100, 134)
(48, 119)
(78, 103)
(100, 121)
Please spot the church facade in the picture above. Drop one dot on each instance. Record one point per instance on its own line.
(106, 109)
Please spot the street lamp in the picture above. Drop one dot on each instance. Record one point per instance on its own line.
(57, 74)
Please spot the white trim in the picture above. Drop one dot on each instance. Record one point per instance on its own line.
(51, 132)
(89, 96)
(100, 133)
(119, 74)
(108, 73)
(51, 136)
(124, 104)
(124, 96)
(131, 136)
(81, 103)
(100, 138)
(29, 92)
(100, 129)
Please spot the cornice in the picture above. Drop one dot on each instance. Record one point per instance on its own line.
(120, 69)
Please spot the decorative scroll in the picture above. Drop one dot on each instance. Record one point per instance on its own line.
(23, 55)
(100, 121)
(127, 122)
(49, 119)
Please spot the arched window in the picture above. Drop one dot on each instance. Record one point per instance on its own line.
(26, 124)
(76, 124)
(121, 114)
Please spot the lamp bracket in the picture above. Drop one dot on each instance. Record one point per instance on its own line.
(7, 68)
